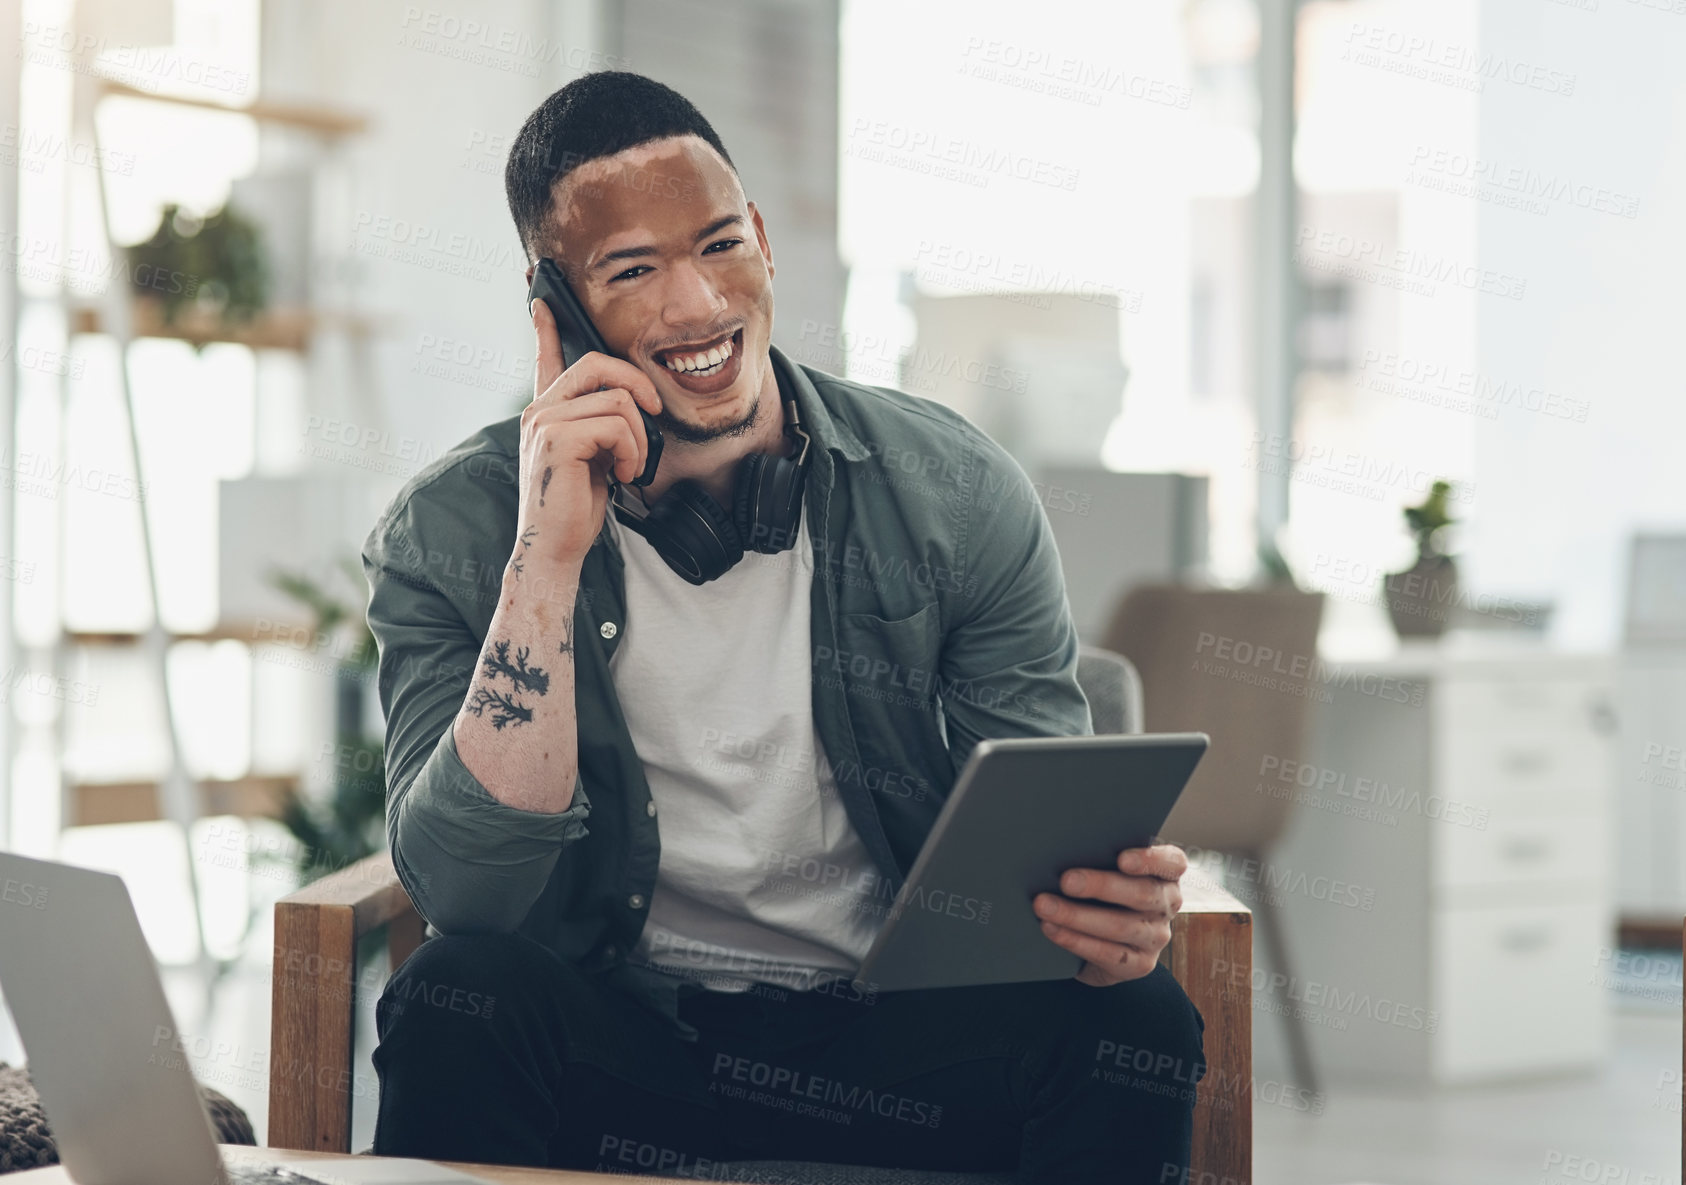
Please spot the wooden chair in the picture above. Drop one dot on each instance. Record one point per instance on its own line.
(315, 983)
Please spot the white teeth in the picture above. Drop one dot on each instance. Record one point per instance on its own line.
(704, 363)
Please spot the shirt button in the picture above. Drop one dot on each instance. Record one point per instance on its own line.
(607, 629)
(650, 807)
(609, 951)
(636, 901)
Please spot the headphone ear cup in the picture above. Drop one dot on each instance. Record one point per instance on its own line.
(767, 506)
(693, 533)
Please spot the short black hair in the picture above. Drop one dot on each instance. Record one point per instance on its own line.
(594, 116)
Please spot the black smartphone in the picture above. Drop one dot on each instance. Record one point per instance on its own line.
(580, 337)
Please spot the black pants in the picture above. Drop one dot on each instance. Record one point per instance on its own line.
(492, 1049)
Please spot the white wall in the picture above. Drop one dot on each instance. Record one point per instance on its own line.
(1604, 309)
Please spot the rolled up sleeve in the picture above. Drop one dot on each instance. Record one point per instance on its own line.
(469, 862)
(1009, 658)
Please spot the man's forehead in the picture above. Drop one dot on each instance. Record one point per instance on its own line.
(663, 183)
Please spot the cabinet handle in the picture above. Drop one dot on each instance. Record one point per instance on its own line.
(1526, 761)
(1521, 847)
(1521, 939)
(1605, 721)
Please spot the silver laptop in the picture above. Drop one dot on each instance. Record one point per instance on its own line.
(104, 1050)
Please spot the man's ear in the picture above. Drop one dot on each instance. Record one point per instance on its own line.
(761, 237)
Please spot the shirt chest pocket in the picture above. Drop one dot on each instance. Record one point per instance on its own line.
(888, 660)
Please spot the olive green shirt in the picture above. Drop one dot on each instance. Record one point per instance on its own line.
(939, 617)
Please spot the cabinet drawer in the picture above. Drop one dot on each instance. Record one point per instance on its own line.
(1524, 849)
(1502, 740)
(1502, 701)
(1515, 989)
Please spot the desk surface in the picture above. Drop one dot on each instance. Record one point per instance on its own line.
(503, 1174)
(1509, 652)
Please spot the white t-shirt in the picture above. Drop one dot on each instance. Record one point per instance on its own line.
(762, 875)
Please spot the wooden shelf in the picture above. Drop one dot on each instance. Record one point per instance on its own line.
(274, 329)
(275, 633)
(306, 116)
(257, 796)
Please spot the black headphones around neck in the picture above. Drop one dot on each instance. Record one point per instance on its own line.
(699, 538)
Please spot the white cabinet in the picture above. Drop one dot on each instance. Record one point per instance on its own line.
(1478, 819)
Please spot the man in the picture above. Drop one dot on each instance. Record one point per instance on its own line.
(657, 822)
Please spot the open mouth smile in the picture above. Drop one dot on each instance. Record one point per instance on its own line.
(704, 360)
(706, 367)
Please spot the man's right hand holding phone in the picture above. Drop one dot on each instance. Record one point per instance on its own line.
(581, 428)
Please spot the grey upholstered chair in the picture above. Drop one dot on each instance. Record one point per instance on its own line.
(312, 1013)
(1113, 688)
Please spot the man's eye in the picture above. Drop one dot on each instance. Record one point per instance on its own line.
(629, 273)
(727, 243)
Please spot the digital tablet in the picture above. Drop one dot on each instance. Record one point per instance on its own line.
(1022, 812)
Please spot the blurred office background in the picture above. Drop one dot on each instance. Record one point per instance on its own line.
(1238, 282)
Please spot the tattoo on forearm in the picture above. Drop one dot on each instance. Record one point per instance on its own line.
(505, 709)
(527, 537)
(567, 646)
(544, 484)
(523, 676)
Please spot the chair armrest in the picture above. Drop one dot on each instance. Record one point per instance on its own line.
(314, 993)
(1202, 896)
(1211, 956)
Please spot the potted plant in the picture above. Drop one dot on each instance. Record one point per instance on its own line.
(212, 265)
(1421, 598)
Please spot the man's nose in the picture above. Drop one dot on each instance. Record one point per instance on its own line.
(691, 299)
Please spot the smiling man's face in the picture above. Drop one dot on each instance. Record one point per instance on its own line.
(673, 266)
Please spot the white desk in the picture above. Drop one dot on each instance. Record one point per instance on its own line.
(1480, 814)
